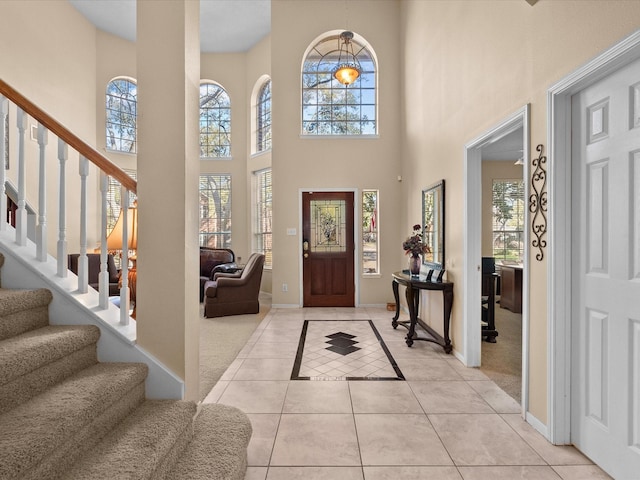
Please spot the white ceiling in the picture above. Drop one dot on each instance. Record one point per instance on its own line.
(508, 147)
(225, 25)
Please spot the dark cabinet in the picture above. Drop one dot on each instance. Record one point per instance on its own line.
(511, 287)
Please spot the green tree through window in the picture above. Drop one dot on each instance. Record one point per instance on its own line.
(215, 211)
(215, 121)
(508, 219)
(122, 111)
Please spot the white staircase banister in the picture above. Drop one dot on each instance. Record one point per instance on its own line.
(62, 210)
(4, 112)
(21, 213)
(41, 229)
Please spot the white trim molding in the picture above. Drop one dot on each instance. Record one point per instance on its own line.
(559, 234)
(472, 330)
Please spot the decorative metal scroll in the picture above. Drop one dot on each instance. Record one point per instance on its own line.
(538, 203)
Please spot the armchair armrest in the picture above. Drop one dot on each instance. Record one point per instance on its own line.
(218, 275)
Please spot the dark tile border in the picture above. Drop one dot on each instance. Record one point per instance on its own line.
(298, 362)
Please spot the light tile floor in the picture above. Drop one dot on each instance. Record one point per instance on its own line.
(444, 422)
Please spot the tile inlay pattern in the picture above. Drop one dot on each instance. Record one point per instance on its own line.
(343, 350)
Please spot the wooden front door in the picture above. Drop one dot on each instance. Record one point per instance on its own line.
(328, 249)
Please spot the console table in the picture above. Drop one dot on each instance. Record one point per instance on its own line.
(414, 284)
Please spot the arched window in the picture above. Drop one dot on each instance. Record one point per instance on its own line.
(121, 106)
(263, 118)
(215, 121)
(329, 107)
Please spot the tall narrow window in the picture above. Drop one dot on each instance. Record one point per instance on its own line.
(121, 106)
(263, 215)
(370, 256)
(508, 219)
(263, 117)
(215, 121)
(215, 211)
(329, 107)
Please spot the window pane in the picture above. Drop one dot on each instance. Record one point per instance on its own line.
(120, 103)
(215, 121)
(215, 211)
(327, 97)
(508, 219)
(370, 256)
(263, 115)
(263, 215)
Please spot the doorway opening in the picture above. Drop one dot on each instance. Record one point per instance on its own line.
(498, 238)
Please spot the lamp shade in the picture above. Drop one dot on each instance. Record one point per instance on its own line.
(114, 240)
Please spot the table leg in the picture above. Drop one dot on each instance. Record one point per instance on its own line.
(394, 287)
(413, 302)
(448, 303)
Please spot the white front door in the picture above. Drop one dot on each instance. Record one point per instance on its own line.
(605, 386)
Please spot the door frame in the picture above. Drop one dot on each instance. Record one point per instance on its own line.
(559, 314)
(472, 330)
(356, 244)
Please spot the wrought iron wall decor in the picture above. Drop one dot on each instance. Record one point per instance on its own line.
(538, 202)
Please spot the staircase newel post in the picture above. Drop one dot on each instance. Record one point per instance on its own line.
(125, 302)
(103, 287)
(62, 211)
(83, 263)
(21, 212)
(4, 111)
(41, 229)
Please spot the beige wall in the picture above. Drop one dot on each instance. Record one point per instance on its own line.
(349, 163)
(50, 40)
(465, 70)
(493, 170)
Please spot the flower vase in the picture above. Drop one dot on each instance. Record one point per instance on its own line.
(414, 264)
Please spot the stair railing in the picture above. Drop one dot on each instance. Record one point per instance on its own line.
(86, 154)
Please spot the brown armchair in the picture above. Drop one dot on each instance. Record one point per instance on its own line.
(214, 260)
(235, 293)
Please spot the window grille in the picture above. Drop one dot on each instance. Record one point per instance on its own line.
(329, 107)
(121, 108)
(508, 219)
(263, 215)
(215, 210)
(215, 121)
(263, 117)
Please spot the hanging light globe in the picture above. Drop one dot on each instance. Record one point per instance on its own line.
(348, 68)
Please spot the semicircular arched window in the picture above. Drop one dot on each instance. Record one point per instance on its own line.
(122, 111)
(328, 106)
(215, 121)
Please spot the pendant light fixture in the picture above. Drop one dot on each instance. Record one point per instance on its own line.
(348, 68)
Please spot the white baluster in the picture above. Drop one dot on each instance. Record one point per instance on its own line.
(103, 287)
(4, 111)
(125, 303)
(21, 213)
(41, 229)
(83, 264)
(62, 211)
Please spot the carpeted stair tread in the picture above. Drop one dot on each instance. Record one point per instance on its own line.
(31, 350)
(218, 450)
(23, 310)
(64, 415)
(15, 300)
(139, 444)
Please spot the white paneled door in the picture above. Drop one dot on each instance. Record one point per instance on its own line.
(605, 389)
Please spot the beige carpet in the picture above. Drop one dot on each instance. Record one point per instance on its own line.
(502, 361)
(221, 339)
